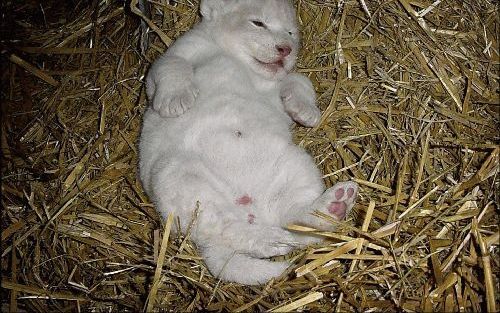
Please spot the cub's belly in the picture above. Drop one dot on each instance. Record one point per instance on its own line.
(241, 147)
(238, 138)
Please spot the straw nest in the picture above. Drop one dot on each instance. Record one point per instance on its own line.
(410, 102)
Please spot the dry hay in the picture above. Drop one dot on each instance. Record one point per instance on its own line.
(409, 94)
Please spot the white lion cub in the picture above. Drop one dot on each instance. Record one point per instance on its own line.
(218, 132)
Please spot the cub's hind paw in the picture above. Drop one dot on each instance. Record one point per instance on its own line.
(273, 241)
(336, 201)
(342, 197)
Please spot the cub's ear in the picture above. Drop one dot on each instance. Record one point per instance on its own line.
(210, 9)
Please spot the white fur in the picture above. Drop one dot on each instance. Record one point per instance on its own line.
(218, 130)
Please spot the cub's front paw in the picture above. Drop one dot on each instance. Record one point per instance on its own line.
(172, 102)
(169, 86)
(299, 100)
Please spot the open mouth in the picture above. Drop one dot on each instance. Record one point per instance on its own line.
(271, 66)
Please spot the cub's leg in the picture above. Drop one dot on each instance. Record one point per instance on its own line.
(178, 185)
(299, 99)
(233, 246)
(246, 236)
(227, 264)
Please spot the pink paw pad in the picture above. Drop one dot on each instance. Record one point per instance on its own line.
(251, 218)
(338, 210)
(350, 192)
(339, 193)
(244, 200)
(341, 198)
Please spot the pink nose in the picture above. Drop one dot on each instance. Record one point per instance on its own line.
(283, 50)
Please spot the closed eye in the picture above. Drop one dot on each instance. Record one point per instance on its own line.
(259, 23)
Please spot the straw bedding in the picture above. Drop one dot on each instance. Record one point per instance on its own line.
(409, 95)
